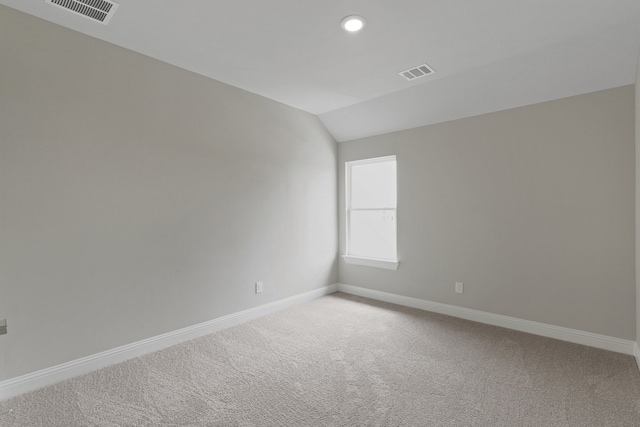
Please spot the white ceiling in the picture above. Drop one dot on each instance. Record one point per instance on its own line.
(488, 55)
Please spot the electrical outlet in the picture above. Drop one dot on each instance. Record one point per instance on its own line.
(3, 326)
(258, 287)
(459, 287)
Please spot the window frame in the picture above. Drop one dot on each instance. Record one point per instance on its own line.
(390, 264)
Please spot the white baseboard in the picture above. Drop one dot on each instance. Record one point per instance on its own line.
(565, 334)
(44, 377)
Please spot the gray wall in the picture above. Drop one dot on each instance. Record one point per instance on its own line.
(637, 86)
(137, 198)
(532, 208)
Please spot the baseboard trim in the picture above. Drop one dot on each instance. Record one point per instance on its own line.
(636, 354)
(617, 345)
(32, 381)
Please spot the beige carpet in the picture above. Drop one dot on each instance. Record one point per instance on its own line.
(349, 361)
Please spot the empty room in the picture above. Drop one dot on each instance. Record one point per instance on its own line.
(336, 213)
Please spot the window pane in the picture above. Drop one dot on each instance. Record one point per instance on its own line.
(373, 185)
(372, 234)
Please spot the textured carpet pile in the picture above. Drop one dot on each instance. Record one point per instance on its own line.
(348, 361)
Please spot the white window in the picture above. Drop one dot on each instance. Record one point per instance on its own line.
(371, 212)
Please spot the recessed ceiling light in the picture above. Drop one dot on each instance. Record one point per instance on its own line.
(353, 23)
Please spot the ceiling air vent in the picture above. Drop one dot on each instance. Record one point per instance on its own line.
(417, 72)
(96, 10)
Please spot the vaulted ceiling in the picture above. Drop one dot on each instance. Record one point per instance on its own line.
(488, 55)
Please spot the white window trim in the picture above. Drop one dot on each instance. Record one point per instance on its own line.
(371, 262)
(357, 260)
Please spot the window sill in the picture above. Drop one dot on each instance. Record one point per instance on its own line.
(371, 262)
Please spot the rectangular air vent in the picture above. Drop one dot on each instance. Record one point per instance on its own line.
(417, 72)
(96, 10)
